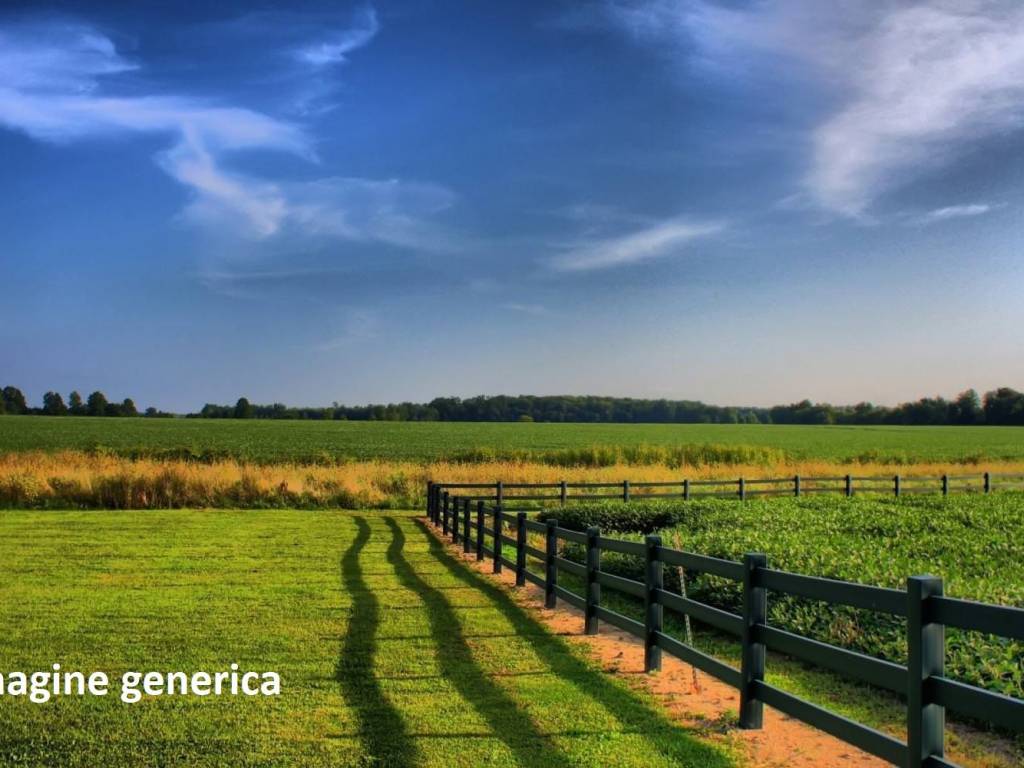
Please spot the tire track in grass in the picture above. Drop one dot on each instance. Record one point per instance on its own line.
(674, 743)
(508, 723)
(382, 730)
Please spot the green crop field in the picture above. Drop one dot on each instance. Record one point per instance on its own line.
(975, 543)
(269, 441)
(387, 648)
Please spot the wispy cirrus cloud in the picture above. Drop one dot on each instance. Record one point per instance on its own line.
(912, 85)
(50, 88)
(934, 80)
(392, 211)
(658, 240)
(956, 212)
(57, 57)
(336, 46)
(220, 198)
(53, 79)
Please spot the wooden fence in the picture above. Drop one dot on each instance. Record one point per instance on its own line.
(740, 488)
(484, 529)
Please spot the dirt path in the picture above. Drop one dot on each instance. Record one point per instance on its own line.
(782, 742)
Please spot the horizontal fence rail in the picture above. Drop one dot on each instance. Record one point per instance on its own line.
(741, 488)
(488, 529)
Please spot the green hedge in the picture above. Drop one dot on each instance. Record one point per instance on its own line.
(617, 517)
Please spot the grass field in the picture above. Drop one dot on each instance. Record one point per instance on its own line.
(390, 652)
(387, 647)
(316, 441)
(88, 463)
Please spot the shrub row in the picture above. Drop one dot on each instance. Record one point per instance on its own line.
(644, 516)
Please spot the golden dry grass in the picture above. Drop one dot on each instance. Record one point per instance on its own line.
(79, 479)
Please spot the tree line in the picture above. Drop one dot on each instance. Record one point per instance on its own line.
(12, 401)
(1003, 406)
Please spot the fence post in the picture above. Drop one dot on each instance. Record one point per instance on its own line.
(551, 571)
(755, 611)
(796, 485)
(564, 488)
(480, 530)
(849, 485)
(467, 542)
(926, 721)
(496, 535)
(520, 549)
(653, 610)
(499, 493)
(437, 505)
(456, 503)
(896, 485)
(743, 489)
(625, 490)
(593, 588)
(430, 500)
(945, 485)
(444, 514)
(988, 482)
(686, 490)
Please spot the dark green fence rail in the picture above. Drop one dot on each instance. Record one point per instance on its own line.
(484, 529)
(740, 488)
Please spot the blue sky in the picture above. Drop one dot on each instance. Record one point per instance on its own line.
(744, 203)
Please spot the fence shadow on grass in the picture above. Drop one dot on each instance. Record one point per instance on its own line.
(506, 720)
(382, 731)
(633, 713)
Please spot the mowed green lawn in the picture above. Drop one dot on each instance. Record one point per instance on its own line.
(269, 441)
(391, 653)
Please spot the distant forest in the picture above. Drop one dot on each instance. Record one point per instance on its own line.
(1003, 406)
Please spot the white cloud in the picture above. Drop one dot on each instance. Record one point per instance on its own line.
(662, 239)
(955, 212)
(338, 45)
(931, 80)
(51, 79)
(57, 57)
(250, 206)
(914, 85)
(391, 211)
